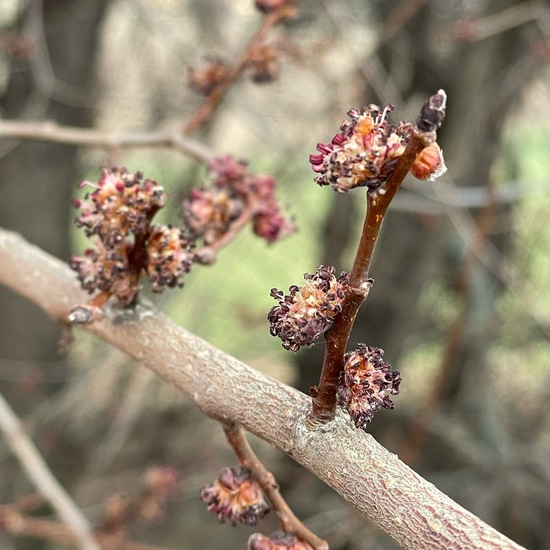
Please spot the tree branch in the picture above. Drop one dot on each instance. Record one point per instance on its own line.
(373, 480)
(51, 132)
(41, 476)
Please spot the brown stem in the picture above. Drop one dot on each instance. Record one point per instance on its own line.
(207, 254)
(16, 523)
(210, 103)
(336, 338)
(236, 437)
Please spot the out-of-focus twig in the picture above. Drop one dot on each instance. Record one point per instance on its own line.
(236, 437)
(41, 476)
(418, 431)
(51, 132)
(208, 106)
(16, 523)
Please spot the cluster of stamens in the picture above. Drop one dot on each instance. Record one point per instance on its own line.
(366, 383)
(366, 151)
(307, 311)
(210, 212)
(236, 497)
(118, 212)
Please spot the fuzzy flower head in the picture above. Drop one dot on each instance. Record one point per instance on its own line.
(106, 269)
(236, 497)
(207, 78)
(169, 257)
(365, 151)
(208, 213)
(119, 205)
(366, 383)
(308, 311)
(234, 194)
(278, 541)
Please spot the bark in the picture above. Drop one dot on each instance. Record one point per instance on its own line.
(393, 496)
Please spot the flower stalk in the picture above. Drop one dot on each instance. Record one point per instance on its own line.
(378, 201)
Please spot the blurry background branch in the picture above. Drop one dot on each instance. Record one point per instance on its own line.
(42, 478)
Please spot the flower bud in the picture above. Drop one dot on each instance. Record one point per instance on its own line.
(308, 311)
(236, 497)
(364, 153)
(366, 383)
(206, 79)
(429, 164)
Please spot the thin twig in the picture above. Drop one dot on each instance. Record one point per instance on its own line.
(13, 521)
(208, 106)
(336, 338)
(51, 132)
(236, 437)
(41, 476)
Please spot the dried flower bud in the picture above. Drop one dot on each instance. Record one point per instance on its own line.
(236, 497)
(162, 481)
(432, 112)
(268, 221)
(365, 151)
(169, 257)
(121, 204)
(263, 63)
(366, 383)
(208, 213)
(278, 541)
(205, 80)
(107, 270)
(308, 311)
(429, 164)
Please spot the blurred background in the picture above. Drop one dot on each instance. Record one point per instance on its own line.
(461, 300)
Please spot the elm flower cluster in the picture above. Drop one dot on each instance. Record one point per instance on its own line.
(366, 383)
(367, 149)
(308, 311)
(210, 211)
(236, 497)
(278, 541)
(118, 213)
(206, 79)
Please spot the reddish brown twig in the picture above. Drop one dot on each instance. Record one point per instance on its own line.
(208, 106)
(324, 402)
(236, 437)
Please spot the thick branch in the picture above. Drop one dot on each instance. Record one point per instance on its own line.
(375, 481)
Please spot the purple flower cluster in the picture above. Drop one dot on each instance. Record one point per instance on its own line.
(366, 383)
(236, 497)
(118, 212)
(309, 310)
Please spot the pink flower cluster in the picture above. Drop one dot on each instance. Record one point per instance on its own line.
(209, 212)
(366, 383)
(366, 151)
(308, 311)
(236, 497)
(118, 212)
